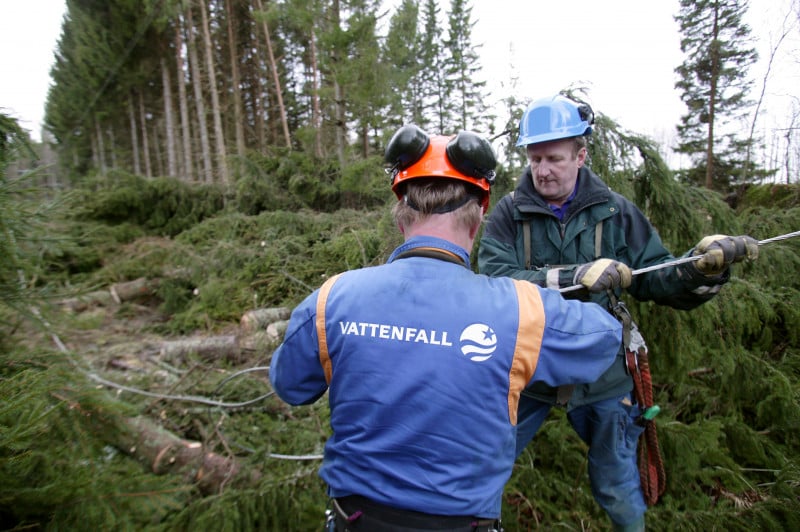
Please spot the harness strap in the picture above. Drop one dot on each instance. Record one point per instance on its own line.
(598, 239)
(563, 392)
(526, 239)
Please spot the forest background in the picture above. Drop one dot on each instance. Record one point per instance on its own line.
(208, 164)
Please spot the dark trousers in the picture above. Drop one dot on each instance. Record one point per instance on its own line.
(359, 514)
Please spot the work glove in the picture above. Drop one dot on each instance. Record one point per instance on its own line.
(720, 251)
(602, 275)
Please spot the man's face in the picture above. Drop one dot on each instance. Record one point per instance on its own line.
(554, 167)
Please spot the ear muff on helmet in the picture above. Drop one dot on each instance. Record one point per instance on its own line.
(472, 155)
(468, 157)
(406, 147)
(554, 118)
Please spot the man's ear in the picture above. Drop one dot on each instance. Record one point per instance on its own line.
(473, 231)
(581, 157)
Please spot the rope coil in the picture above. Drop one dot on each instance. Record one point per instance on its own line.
(651, 463)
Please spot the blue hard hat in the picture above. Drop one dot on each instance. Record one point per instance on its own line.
(552, 118)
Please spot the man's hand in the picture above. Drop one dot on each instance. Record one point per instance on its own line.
(720, 251)
(602, 275)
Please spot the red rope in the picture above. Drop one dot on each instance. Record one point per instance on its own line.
(651, 464)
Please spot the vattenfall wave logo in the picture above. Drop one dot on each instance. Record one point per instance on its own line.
(478, 342)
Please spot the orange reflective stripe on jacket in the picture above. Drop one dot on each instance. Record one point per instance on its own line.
(322, 336)
(529, 342)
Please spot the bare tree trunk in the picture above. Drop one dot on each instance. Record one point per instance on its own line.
(137, 166)
(172, 165)
(194, 63)
(773, 52)
(238, 115)
(145, 144)
(158, 152)
(261, 112)
(95, 155)
(338, 98)
(113, 150)
(712, 103)
(216, 112)
(101, 151)
(316, 113)
(186, 135)
(275, 79)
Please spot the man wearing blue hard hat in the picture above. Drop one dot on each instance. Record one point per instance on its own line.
(563, 227)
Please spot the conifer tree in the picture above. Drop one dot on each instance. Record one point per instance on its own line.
(402, 51)
(465, 89)
(364, 78)
(432, 78)
(714, 86)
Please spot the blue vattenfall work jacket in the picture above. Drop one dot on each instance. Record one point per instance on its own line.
(558, 247)
(424, 361)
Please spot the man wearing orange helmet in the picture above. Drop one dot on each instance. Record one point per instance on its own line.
(564, 227)
(396, 346)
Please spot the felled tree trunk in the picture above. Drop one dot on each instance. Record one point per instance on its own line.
(164, 452)
(79, 304)
(133, 289)
(209, 349)
(260, 319)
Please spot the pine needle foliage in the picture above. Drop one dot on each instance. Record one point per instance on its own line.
(161, 206)
(27, 237)
(726, 374)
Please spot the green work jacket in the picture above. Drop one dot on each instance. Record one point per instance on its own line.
(598, 223)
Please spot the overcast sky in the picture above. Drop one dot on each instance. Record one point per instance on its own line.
(624, 51)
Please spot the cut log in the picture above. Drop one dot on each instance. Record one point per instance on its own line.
(260, 319)
(80, 303)
(133, 289)
(276, 330)
(164, 452)
(208, 348)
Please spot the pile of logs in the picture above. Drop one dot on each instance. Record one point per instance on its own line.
(144, 439)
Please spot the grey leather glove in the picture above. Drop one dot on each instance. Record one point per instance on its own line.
(720, 251)
(602, 275)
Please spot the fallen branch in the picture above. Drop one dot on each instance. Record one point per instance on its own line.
(699, 372)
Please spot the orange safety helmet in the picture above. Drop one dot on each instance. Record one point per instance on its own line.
(468, 157)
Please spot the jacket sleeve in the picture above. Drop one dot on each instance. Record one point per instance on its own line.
(295, 371)
(580, 341)
(682, 287)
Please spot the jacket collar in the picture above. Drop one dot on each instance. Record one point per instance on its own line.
(591, 190)
(429, 246)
